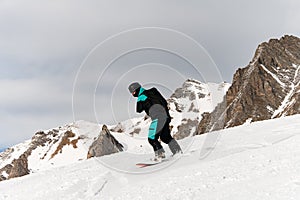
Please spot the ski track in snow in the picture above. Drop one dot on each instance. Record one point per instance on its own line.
(254, 161)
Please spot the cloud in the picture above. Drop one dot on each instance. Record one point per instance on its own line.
(35, 94)
(30, 104)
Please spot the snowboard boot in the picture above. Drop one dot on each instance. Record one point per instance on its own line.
(174, 147)
(159, 155)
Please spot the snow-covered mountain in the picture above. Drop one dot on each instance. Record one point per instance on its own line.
(269, 87)
(189, 102)
(79, 140)
(50, 148)
(253, 161)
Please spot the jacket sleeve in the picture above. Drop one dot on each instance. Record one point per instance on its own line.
(139, 107)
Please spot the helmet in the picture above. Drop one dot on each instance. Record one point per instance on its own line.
(134, 86)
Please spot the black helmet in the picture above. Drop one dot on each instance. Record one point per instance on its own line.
(133, 87)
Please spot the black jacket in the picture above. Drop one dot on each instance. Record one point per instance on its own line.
(146, 101)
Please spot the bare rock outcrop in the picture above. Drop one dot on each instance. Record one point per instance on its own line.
(105, 144)
(267, 88)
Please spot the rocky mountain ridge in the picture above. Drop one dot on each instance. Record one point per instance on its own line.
(267, 88)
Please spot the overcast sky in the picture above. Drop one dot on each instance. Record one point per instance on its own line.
(43, 44)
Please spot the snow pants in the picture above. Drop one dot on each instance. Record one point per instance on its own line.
(159, 128)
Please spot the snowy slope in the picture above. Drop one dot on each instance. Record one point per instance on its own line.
(255, 161)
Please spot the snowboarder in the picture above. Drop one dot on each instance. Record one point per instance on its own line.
(155, 105)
